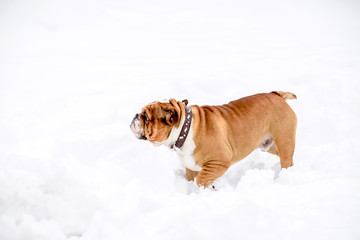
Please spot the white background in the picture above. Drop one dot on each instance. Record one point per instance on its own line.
(74, 73)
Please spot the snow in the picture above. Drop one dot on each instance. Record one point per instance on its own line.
(74, 73)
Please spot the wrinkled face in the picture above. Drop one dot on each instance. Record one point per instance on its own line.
(156, 120)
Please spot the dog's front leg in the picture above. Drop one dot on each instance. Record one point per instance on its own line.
(191, 175)
(210, 171)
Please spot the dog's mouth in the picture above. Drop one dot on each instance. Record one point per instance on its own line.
(136, 128)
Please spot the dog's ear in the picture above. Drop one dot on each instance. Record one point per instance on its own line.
(171, 117)
(176, 109)
(185, 101)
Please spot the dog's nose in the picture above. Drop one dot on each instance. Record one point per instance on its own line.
(135, 118)
(135, 127)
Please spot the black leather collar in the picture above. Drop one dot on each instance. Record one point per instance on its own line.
(184, 130)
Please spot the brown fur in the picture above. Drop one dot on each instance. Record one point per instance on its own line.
(162, 118)
(225, 134)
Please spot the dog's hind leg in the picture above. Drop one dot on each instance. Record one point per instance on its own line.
(283, 132)
(286, 147)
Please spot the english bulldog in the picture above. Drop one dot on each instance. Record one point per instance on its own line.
(209, 139)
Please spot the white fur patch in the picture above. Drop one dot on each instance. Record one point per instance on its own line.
(136, 128)
(185, 154)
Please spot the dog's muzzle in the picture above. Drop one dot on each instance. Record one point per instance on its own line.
(135, 127)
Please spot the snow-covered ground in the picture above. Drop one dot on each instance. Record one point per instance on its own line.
(74, 73)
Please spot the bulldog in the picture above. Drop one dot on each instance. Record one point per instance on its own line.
(209, 139)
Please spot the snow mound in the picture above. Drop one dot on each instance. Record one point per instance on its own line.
(74, 73)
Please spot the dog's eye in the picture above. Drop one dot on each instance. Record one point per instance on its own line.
(145, 118)
(163, 120)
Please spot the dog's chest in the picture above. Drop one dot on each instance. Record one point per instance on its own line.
(188, 162)
(186, 154)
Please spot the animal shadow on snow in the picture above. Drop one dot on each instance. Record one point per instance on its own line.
(257, 160)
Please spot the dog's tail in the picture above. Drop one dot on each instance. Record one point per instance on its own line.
(285, 95)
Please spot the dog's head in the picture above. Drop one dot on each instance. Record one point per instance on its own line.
(157, 119)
